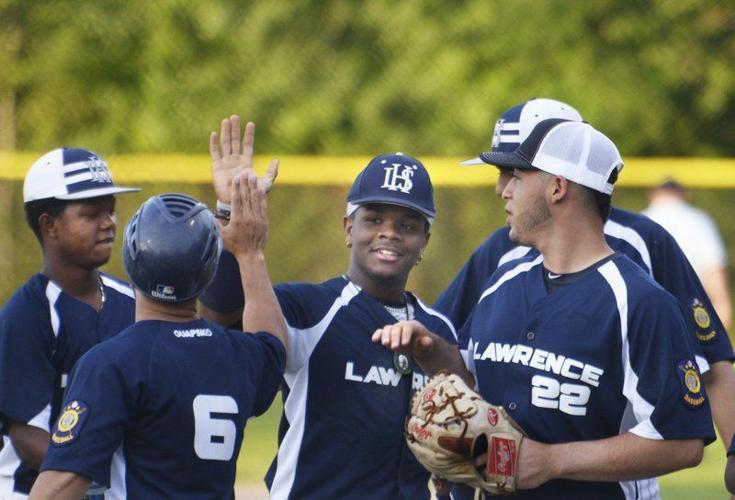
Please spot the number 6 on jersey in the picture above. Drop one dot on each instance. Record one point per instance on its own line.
(214, 438)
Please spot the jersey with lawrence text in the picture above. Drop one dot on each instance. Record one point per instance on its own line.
(346, 398)
(602, 356)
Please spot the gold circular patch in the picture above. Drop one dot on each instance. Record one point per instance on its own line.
(691, 379)
(68, 420)
(701, 317)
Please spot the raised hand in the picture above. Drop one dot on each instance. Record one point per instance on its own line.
(247, 231)
(230, 156)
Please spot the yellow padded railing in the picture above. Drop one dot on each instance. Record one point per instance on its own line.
(341, 170)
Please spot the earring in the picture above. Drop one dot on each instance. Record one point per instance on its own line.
(348, 243)
(418, 261)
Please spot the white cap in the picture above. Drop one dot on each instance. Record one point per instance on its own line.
(516, 124)
(70, 174)
(573, 150)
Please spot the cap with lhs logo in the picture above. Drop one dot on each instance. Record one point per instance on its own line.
(395, 179)
(70, 174)
(516, 124)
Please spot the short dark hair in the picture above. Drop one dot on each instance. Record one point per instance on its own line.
(604, 204)
(602, 201)
(36, 208)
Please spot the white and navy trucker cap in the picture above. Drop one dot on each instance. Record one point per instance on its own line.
(516, 124)
(573, 150)
(70, 174)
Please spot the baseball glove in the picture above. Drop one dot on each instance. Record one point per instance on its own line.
(451, 425)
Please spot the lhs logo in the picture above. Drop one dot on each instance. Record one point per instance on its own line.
(398, 177)
(98, 170)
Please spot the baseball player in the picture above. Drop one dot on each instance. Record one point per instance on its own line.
(636, 236)
(586, 352)
(62, 311)
(159, 411)
(341, 433)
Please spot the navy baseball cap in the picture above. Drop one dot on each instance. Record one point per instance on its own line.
(70, 174)
(516, 124)
(395, 179)
(571, 149)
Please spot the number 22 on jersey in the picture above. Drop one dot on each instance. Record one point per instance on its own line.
(568, 398)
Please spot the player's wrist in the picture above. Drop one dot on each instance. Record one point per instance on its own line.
(224, 210)
(249, 257)
(537, 464)
(555, 458)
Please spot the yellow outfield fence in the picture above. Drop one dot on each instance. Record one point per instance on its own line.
(341, 170)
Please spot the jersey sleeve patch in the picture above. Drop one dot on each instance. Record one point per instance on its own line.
(691, 382)
(705, 332)
(70, 422)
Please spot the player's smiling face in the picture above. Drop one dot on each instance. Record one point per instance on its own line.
(526, 206)
(84, 232)
(387, 241)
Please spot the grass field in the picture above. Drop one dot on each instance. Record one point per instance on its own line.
(704, 482)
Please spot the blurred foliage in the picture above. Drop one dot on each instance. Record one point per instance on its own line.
(337, 77)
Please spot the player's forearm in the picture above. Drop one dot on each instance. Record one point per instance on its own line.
(261, 313)
(226, 283)
(620, 458)
(444, 356)
(59, 485)
(29, 442)
(716, 284)
(719, 382)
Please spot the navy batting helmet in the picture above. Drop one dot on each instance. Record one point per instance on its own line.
(171, 247)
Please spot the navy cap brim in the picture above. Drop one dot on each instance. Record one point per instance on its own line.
(506, 160)
(393, 201)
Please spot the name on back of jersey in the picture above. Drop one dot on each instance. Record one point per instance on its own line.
(193, 332)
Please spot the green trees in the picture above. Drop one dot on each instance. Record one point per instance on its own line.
(337, 77)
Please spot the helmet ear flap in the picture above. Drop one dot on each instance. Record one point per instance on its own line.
(131, 237)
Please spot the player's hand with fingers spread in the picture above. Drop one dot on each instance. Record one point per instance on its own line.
(231, 155)
(408, 337)
(247, 231)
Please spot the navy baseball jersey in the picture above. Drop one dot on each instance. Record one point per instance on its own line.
(603, 354)
(638, 237)
(341, 434)
(43, 332)
(159, 411)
